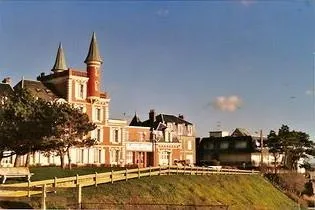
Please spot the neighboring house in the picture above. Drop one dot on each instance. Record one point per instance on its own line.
(5, 90)
(139, 147)
(172, 138)
(239, 149)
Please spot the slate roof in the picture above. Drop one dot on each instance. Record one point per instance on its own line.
(60, 62)
(135, 121)
(37, 89)
(240, 132)
(171, 118)
(161, 118)
(5, 89)
(94, 54)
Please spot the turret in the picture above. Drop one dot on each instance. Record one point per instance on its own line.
(93, 62)
(60, 62)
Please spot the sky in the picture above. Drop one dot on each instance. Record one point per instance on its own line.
(222, 64)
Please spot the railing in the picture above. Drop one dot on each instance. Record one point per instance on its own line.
(51, 185)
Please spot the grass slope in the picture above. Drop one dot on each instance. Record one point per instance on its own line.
(236, 191)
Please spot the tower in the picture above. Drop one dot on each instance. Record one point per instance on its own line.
(60, 62)
(93, 63)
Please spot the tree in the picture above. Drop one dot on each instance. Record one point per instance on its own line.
(293, 144)
(23, 124)
(275, 146)
(70, 129)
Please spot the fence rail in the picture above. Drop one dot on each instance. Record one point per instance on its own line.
(51, 185)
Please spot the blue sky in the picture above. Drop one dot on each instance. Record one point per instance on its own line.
(230, 63)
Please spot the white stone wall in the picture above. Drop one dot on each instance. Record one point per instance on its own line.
(41, 159)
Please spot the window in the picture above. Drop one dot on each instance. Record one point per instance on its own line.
(190, 133)
(209, 145)
(180, 130)
(189, 145)
(96, 86)
(114, 156)
(224, 145)
(98, 135)
(97, 156)
(98, 114)
(164, 158)
(240, 145)
(129, 158)
(116, 135)
(170, 126)
(81, 90)
(80, 155)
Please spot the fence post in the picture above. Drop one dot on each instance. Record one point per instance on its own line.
(149, 170)
(160, 171)
(77, 179)
(95, 179)
(169, 169)
(112, 176)
(138, 172)
(29, 190)
(184, 169)
(191, 170)
(79, 196)
(55, 185)
(177, 170)
(126, 174)
(203, 168)
(43, 197)
(197, 171)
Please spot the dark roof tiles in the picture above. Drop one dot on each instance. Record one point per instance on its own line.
(94, 54)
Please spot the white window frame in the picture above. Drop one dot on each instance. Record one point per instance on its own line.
(80, 90)
(129, 157)
(189, 145)
(115, 131)
(80, 155)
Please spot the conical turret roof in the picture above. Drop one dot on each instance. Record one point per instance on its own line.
(94, 54)
(60, 63)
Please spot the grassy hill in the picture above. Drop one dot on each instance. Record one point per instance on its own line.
(236, 191)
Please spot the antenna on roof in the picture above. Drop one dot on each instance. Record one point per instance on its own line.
(218, 125)
(22, 82)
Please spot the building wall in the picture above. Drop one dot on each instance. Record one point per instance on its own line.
(235, 158)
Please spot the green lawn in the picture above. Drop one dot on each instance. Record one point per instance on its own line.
(236, 191)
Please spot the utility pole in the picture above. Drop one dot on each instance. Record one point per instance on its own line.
(261, 148)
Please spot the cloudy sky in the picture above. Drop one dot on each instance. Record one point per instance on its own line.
(222, 64)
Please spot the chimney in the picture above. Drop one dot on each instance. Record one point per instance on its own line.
(152, 116)
(6, 80)
(180, 116)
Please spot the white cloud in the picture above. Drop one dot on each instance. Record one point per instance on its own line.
(227, 103)
(163, 12)
(247, 2)
(309, 92)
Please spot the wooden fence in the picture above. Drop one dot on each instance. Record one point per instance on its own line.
(51, 185)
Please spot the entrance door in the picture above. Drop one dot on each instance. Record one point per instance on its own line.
(165, 158)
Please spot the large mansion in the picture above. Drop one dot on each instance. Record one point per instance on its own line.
(161, 140)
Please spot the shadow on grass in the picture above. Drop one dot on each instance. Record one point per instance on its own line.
(14, 205)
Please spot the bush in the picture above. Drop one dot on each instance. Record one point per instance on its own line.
(308, 188)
